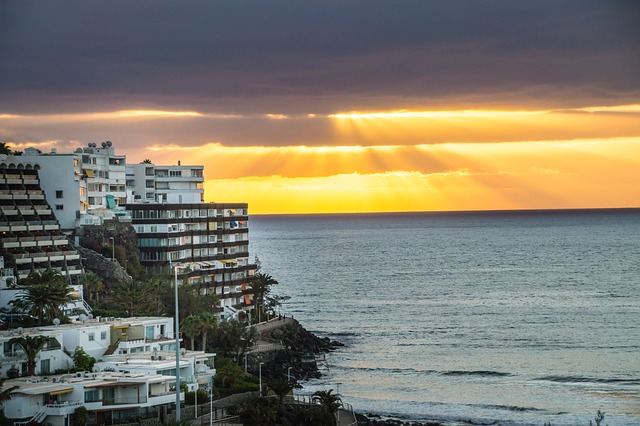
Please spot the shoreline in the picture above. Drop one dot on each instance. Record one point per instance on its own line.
(299, 350)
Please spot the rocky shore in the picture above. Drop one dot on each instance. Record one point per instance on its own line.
(301, 349)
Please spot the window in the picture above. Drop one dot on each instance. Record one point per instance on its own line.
(103, 335)
(175, 173)
(92, 337)
(59, 206)
(45, 366)
(91, 395)
(59, 194)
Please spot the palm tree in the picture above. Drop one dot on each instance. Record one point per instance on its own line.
(45, 292)
(4, 148)
(190, 326)
(257, 411)
(207, 322)
(93, 285)
(327, 399)
(31, 345)
(261, 286)
(282, 389)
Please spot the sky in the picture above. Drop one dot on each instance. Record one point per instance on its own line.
(341, 106)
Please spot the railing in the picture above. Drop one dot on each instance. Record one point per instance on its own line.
(124, 401)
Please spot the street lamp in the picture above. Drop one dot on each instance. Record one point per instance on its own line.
(113, 249)
(175, 272)
(338, 394)
(211, 402)
(289, 374)
(260, 374)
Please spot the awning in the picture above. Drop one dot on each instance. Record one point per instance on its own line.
(227, 261)
(247, 300)
(89, 173)
(61, 391)
(85, 203)
(41, 389)
(120, 326)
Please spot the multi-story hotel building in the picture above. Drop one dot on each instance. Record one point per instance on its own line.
(209, 242)
(148, 183)
(30, 235)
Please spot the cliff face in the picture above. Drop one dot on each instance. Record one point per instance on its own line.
(98, 244)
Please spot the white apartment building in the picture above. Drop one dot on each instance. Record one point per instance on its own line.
(121, 336)
(136, 381)
(109, 397)
(83, 187)
(148, 183)
(13, 360)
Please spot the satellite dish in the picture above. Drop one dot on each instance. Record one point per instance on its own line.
(108, 143)
(56, 321)
(183, 351)
(201, 368)
(82, 317)
(20, 330)
(90, 316)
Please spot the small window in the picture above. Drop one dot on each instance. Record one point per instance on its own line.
(103, 335)
(59, 194)
(59, 206)
(92, 337)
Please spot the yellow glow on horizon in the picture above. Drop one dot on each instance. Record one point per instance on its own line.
(475, 176)
(614, 108)
(436, 114)
(157, 113)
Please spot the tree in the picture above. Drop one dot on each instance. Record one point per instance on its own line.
(4, 148)
(146, 161)
(93, 286)
(31, 345)
(207, 322)
(133, 296)
(45, 292)
(327, 399)
(82, 360)
(232, 339)
(281, 388)
(190, 326)
(261, 286)
(257, 411)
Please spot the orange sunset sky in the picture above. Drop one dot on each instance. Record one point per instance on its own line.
(422, 106)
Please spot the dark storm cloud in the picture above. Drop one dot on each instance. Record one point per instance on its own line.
(324, 56)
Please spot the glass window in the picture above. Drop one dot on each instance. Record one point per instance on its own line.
(59, 194)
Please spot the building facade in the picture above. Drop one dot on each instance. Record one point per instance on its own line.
(30, 235)
(148, 183)
(209, 242)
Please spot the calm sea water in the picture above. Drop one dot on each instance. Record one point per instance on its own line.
(510, 318)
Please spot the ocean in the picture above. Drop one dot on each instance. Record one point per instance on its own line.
(507, 318)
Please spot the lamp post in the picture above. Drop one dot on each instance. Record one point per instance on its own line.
(113, 249)
(211, 402)
(175, 274)
(338, 394)
(260, 374)
(289, 374)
